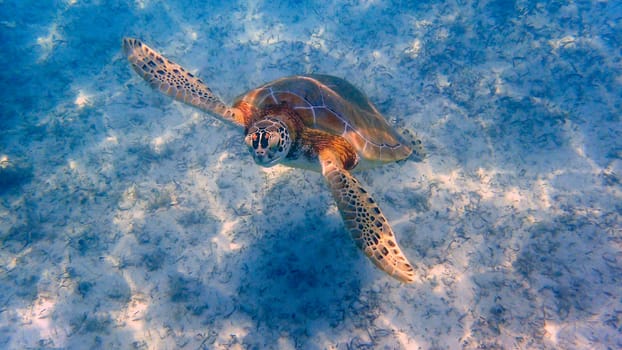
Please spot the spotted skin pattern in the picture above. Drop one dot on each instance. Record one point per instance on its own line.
(364, 219)
(315, 122)
(268, 141)
(173, 80)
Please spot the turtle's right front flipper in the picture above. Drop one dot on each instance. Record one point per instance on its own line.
(362, 217)
(173, 80)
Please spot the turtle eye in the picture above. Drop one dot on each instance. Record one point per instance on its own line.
(252, 140)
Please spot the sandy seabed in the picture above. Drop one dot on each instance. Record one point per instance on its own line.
(128, 220)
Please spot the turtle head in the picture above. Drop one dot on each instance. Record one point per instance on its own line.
(268, 141)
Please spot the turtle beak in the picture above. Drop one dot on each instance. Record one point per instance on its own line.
(264, 158)
(260, 156)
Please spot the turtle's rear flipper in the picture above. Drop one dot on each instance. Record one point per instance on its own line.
(173, 80)
(363, 218)
(414, 142)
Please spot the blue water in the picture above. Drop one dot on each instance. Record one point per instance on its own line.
(128, 220)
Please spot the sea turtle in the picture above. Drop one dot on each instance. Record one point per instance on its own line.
(316, 122)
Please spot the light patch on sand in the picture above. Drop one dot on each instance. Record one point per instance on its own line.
(415, 48)
(464, 290)
(83, 99)
(490, 186)
(16, 259)
(114, 261)
(113, 140)
(538, 20)
(276, 171)
(486, 177)
(4, 161)
(579, 150)
(133, 315)
(513, 195)
(366, 4)
(442, 81)
(235, 246)
(73, 165)
(552, 329)
(130, 195)
(388, 322)
(436, 273)
(221, 159)
(570, 10)
(285, 343)
(125, 220)
(232, 336)
(451, 283)
(542, 188)
(158, 144)
(223, 240)
(383, 59)
(141, 4)
(421, 24)
(332, 210)
(48, 42)
(406, 342)
(568, 41)
(195, 117)
(500, 88)
(8, 24)
(449, 179)
(191, 33)
(228, 226)
(450, 18)
(39, 317)
(456, 182)
(577, 142)
(442, 34)
(255, 30)
(317, 40)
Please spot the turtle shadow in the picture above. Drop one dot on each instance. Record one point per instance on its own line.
(304, 270)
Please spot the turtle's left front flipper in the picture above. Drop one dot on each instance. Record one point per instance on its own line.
(363, 218)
